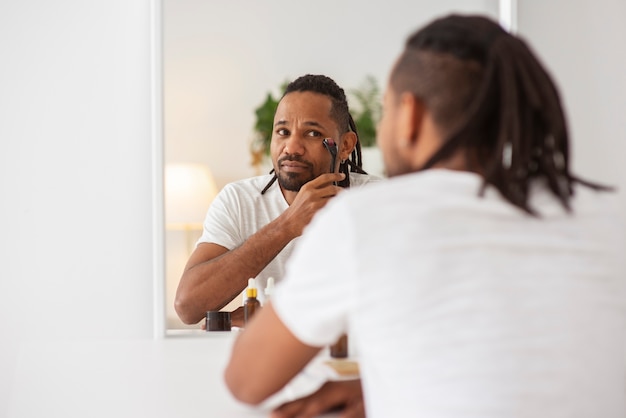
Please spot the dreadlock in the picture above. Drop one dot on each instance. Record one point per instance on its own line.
(492, 97)
(340, 113)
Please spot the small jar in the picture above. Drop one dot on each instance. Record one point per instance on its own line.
(218, 321)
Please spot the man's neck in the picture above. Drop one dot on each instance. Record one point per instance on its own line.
(288, 195)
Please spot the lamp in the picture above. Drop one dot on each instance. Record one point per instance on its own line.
(189, 190)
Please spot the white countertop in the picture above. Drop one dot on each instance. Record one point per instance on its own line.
(179, 376)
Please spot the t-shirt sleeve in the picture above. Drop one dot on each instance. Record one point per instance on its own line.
(317, 295)
(222, 220)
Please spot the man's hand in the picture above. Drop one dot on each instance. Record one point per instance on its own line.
(312, 197)
(236, 317)
(345, 396)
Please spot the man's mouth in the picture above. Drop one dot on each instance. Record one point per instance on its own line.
(294, 166)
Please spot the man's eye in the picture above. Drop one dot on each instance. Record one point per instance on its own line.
(314, 134)
(282, 132)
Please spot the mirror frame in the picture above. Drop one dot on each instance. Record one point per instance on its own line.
(158, 168)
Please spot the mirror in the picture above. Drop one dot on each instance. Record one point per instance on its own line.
(221, 59)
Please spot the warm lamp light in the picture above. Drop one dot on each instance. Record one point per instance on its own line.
(189, 190)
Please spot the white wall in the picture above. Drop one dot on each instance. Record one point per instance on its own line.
(75, 172)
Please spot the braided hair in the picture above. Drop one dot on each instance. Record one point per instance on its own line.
(490, 96)
(340, 113)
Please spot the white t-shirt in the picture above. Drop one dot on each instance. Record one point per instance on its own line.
(240, 210)
(461, 306)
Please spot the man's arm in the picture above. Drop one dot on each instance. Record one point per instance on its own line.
(264, 358)
(214, 275)
(267, 356)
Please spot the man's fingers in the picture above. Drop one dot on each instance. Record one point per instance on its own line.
(306, 407)
(332, 395)
(326, 179)
(354, 410)
(236, 317)
(301, 408)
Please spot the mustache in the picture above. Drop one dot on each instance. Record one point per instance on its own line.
(295, 158)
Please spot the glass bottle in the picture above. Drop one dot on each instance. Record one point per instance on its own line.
(252, 304)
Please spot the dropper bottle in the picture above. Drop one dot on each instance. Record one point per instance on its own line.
(269, 289)
(252, 304)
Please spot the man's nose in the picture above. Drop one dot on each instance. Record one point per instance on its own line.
(294, 145)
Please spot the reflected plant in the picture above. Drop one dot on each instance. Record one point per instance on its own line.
(263, 126)
(367, 110)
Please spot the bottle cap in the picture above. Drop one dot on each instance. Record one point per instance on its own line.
(251, 291)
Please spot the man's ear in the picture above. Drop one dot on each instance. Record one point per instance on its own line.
(410, 119)
(348, 143)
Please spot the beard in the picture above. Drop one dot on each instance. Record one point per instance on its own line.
(294, 181)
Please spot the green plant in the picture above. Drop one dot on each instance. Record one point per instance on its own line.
(367, 110)
(366, 113)
(263, 126)
(265, 119)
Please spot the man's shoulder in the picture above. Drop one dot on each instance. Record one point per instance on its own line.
(357, 179)
(425, 185)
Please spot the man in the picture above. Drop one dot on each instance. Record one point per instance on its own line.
(251, 226)
(505, 269)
